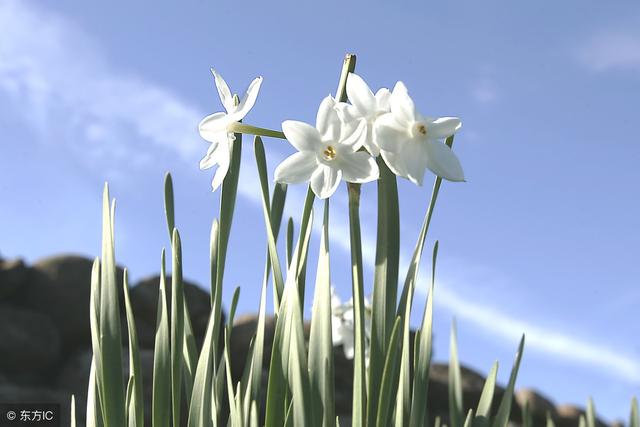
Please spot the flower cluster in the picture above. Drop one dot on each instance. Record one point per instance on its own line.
(346, 138)
(342, 325)
(385, 124)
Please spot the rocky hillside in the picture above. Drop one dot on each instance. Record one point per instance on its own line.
(45, 343)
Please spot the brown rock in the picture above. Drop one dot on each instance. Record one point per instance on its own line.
(13, 277)
(29, 343)
(538, 405)
(60, 287)
(144, 302)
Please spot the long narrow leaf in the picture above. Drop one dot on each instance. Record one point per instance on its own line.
(385, 281)
(455, 381)
(423, 355)
(261, 163)
(486, 398)
(502, 417)
(135, 402)
(177, 327)
(320, 339)
(110, 373)
(389, 383)
(634, 418)
(161, 411)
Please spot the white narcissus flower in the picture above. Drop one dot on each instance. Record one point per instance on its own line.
(365, 105)
(410, 142)
(327, 153)
(213, 128)
(342, 325)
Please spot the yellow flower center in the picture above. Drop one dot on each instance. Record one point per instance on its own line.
(422, 129)
(329, 153)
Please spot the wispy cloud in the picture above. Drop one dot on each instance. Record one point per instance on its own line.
(62, 85)
(610, 50)
(60, 82)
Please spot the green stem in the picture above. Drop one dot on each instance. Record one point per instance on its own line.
(238, 127)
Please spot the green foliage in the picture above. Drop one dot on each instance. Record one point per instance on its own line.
(389, 388)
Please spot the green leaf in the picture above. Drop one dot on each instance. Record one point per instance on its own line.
(73, 410)
(455, 382)
(634, 418)
(280, 377)
(321, 364)
(189, 353)
(227, 206)
(213, 259)
(486, 398)
(177, 327)
(389, 383)
(161, 412)
(289, 242)
(591, 413)
(527, 421)
(502, 417)
(550, 422)
(385, 281)
(582, 422)
(200, 412)
(135, 401)
(261, 163)
(359, 379)
(169, 210)
(235, 415)
(469, 419)
(423, 355)
(110, 373)
(94, 413)
(403, 399)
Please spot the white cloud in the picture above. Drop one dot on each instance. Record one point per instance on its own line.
(610, 50)
(60, 82)
(72, 96)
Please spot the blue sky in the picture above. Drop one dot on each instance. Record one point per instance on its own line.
(543, 239)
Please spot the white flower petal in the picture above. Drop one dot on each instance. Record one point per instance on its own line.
(443, 127)
(328, 121)
(210, 159)
(360, 95)
(359, 168)
(302, 136)
(224, 160)
(402, 105)
(325, 180)
(410, 162)
(383, 99)
(355, 138)
(248, 100)
(369, 141)
(212, 126)
(442, 161)
(223, 90)
(388, 134)
(296, 168)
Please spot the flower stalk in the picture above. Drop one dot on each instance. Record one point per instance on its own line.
(238, 127)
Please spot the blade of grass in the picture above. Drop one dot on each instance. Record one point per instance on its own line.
(634, 418)
(455, 382)
(423, 354)
(234, 416)
(550, 422)
(261, 163)
(289, 242)
(385, 281)
(200, 404)
(177, 327)
(591, 413)
(486, 398)
(161, 411)
(110, 373)
(135, 401)
(359, 377)
(403, 397)
(469, 420)
(320, 340)
(227, 206)
(502, 416)
(390, 378)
